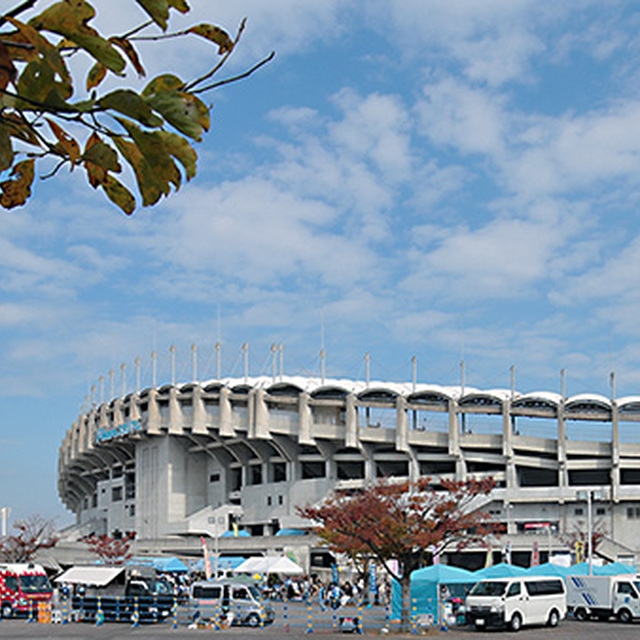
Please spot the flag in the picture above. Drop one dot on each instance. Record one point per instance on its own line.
(489, 561)
(535, 554)
(207, 559)
(235, 529)
(507, 552)
(579, 551)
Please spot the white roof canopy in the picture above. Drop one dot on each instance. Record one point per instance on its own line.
(94, 576)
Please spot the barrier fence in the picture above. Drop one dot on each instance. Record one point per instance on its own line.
(309, 616)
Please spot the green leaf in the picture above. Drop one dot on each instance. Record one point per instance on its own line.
(158, 10)
(214, 34)
(164, 82)
(50, 54)
(182, 151)
(119, 194)
(37, 82)
(70, 18)
(152, 147)
(6, 149)
(129, 103)
(99, 158)
(150, 190)
(187, 113)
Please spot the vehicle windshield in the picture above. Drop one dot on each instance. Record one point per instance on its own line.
(162, 588)
(489, 589)
(255, 592)
(636, 584)
(35, 584)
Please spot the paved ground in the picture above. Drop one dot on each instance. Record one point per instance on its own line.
(568, 630)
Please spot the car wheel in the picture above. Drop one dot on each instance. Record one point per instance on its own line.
(516, 622)
(7, 610)
(253, 620)
(624, 615)
(554, 618)
(580, 614)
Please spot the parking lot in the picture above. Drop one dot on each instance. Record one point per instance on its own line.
(568, 630)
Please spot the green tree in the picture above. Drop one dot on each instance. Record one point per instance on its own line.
(153, 129)
(406, 522)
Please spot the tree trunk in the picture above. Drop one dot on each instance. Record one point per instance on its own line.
(405, 613)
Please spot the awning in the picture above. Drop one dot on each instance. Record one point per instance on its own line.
(94, 576)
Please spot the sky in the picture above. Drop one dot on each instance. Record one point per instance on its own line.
(447, 179)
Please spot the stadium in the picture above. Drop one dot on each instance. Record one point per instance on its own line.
(179, 461)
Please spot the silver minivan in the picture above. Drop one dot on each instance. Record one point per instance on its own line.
(238, 602)
(515, 602)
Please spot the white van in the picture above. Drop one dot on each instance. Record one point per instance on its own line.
(240, 602)
(514, 602)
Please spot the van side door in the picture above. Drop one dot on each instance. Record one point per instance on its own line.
(513, 600)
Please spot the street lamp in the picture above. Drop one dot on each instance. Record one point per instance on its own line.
(589, 495)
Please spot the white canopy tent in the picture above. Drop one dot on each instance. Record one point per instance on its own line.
(270, 564)
(94, 576)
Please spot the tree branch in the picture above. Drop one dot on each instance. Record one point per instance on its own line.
(246, 74)
(24, 6)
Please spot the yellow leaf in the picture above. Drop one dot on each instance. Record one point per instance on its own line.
(182, 151)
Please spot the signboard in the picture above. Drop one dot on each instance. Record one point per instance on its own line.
(104, 434)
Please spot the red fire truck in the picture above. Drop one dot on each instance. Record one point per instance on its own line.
(22, 587)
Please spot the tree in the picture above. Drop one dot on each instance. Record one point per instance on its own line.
(407, 522)
(32, 534)
(153, 130)
(111, 550)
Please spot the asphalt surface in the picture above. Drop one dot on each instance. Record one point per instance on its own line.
(568, 630)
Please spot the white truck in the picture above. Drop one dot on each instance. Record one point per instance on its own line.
(604, 596)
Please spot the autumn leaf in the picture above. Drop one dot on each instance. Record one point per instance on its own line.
(182, 151)
(214, 34)
(119, 194)
(98, 159)
(6, 149)
(164, 82)
(16, 191)
(7, 68)
(96, 75)
(129, 50)
(68, 144)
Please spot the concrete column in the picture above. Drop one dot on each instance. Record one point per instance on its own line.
(199, 415)
(261, 415)
(153, 413)
(352, 437)
(226, 419)
(454, 440)
(305, 420)
(118, 417)
(134, 407)
(175, 413)
(402, 436)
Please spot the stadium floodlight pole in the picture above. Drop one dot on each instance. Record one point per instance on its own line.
(111, 384)
(274, 357)
(154, 369)
(136, 362)
(172, 351)
(5, 511)
(281, 354)
(322, 365)
(414, 372)
(194, 361)
(245, 349)
(123, 370)
(512, 369)
(101, 385)
(217, 347)
(367, 368)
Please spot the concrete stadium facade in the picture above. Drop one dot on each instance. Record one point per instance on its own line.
(191, 459)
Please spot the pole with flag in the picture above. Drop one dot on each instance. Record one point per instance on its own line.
(207, 559)
(535, 554)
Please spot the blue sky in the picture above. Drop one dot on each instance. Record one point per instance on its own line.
(439, 179)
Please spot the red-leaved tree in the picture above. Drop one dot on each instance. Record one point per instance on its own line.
(32, 534)
(407, 522)
(111, 550)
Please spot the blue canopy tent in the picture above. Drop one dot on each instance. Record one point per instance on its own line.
(161, 563)
(425, 585)
(613, 569)
(224, 562)
(501, 570)
(549, 569)
(580, 569)
(240, 533)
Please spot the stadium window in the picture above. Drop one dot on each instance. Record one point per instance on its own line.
(116, 494)
(214, 477)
